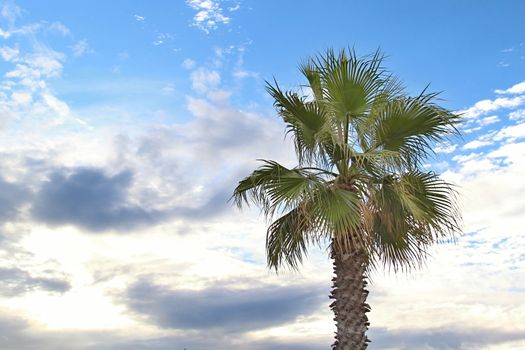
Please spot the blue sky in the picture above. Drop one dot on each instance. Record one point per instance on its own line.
(125, 125)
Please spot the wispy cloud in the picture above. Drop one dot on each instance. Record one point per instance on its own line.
(209, 14)
(517, 115)
(162, 38)
(188, 63)
(60, 28)
(477, 144)
(203, 80)
(168, 89)
(81, 48)
(445, 148)
(10, 53)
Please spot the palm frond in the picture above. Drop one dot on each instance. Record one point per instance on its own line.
(410, 212)
(275, 188)
(350, 83)
(287, 238)
(305, 121)
(410, 126)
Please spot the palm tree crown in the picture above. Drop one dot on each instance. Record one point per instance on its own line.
(360, 181)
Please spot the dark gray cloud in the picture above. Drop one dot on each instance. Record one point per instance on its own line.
(16, 281)
(18, 334)
(223, 308)
(88, 198)
(91, 199)
(440, 339)
(12, 196)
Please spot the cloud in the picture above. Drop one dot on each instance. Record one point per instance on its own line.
(211, 343)
(517, 115)
(203, 80)
(515, 89)
(10, 11)
(16, 282)
(459, 337)
(139, 18)
(221, 307)
(17, 333)
(242, 73)
(168, 89)
(90, 199)
(10, 54)
(44, 62)
(59, 28)
(209, 14)
(188, 63)
(477, 144)
(512, 132)
(485, 106)
(12, 197)
(445, 148)
(234, 8)
(162, 38)
(489, 120)
(80, 48)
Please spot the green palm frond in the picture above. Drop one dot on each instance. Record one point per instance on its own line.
(287, 239)
(275, 188)
(350, 83)
(411, 212)
(411, 125)
(305, 121)
(312, 74)
(323, 212)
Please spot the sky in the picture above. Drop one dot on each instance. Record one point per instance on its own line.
(125, 126)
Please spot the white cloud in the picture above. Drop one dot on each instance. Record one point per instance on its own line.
(123, 55)
(512, 132)
(162, 38)
(242, 73)
(489, 120)
(10, 54)
(59, 28)
(80, 48)
(445, 148)
(46, 62)
(30, 97)
(24, 30)
(168, 89)
(517, 115)
(139, 18)
(188, 63)
(10, 11)
(59, 107)
(485, 106)
(209, 14)
(202, 80)
(477, 144)
(515, 89)
(21, 98)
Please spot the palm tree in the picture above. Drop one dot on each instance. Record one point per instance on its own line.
(360, 183)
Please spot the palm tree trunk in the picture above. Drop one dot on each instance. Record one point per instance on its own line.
(349, 306)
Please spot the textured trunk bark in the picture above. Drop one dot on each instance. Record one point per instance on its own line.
(349, 306)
